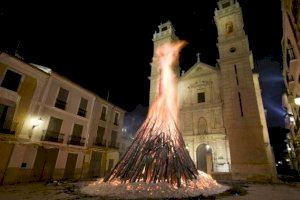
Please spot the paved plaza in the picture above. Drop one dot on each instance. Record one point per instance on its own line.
(70, 191)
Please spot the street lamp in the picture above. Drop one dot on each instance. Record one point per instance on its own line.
(36, 122)
(297, 100)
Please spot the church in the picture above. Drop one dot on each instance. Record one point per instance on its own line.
(222, 117)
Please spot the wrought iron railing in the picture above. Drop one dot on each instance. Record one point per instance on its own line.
(100, 142)
(76, 140)
(114, 145)
(60, 104)
(9, 127)
(103, 117)
(52, 136)
(81, 112)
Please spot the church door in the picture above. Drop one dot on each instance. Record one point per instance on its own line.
(204, 158)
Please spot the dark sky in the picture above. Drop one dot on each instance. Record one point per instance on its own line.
(108, 45)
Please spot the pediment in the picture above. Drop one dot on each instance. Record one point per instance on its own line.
(199, 69)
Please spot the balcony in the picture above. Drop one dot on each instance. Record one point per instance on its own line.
(113, 145)
(9, 127)
(116, 123)
(52, 136)
(60, 104)
(103, 117)
(100, 142)
(9, 97)
(81, 112)
(76, 140)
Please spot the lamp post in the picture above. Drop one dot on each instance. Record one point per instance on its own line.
(35, 122)
(297, 100)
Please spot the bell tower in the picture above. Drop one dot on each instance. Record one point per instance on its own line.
(166, 33)
(243, 111)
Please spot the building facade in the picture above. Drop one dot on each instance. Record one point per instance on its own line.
(51, 127)
(291, 73)
(221, 112)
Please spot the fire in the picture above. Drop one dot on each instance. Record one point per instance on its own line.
(158, 152)
(157, 164)
(165, 107)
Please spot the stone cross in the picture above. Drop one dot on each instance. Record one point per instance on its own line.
(198, 57)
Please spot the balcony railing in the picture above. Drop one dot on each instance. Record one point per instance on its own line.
(76, 140)
(60, 104)
(52, 136)
(9, 127)
(116, 123)
(100, 142)
(103, 117)
(81, 112)
(113, 145)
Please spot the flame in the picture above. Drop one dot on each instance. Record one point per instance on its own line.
(165, 107)
(163, 116)
(162, 156)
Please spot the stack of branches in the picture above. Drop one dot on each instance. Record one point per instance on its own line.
(157, 154)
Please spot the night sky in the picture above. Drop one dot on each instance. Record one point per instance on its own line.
(108, 45)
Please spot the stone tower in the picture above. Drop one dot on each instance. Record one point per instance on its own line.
(165, 34)
(243, 112)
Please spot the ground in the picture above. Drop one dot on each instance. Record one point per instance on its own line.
(69, 191)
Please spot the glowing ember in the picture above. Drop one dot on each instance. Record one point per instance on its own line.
(204, 185)
(157, 163)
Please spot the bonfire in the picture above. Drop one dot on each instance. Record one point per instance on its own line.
(157, 164)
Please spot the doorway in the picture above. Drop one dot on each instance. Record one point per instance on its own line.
(70, 166)
(44, 163)
(95, 165)
(204, 158)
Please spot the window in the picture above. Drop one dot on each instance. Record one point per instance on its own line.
(201, 97)
(77, 130)
(7, 126)
(289, 53)
(53, 131)
(164, 28)
(241, 105)
(236, 75)
(103, 113)
(82, 107)
(225, 5)
(295, 9)
(113, 140)
(54, 124)
(23, 165)
(11, 80)
(76, 138)
(116, 121)
(61, 100)
(100, 134)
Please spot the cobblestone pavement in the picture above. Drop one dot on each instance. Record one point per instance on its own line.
(70, 191)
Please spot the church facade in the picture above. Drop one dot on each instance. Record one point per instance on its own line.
(221, 111)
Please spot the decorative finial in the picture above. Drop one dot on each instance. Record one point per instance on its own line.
(198, 57)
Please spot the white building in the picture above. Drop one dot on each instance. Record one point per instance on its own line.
(291, 74)
(50, 126)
